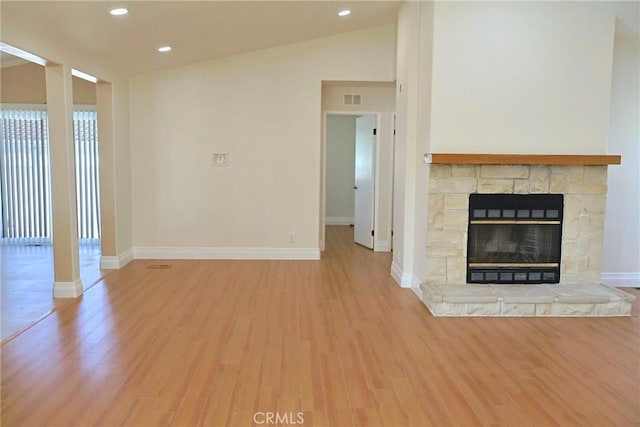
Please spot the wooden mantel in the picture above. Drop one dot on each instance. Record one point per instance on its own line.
(521, 159)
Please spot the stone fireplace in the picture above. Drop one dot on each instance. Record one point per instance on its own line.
(579, 184)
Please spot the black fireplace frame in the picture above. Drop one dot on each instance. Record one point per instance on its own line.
(515, 209)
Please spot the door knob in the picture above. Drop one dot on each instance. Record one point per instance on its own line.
(355, 187)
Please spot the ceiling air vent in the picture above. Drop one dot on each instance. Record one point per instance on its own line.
(352, 99)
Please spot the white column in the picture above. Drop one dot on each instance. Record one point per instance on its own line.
(413, 121)
(104, 101)
(67, 282)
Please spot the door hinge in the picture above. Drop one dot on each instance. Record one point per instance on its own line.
(394, 131)
(371, 232)
(375, 131)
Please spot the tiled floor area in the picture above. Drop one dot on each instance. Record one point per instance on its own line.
(26, 274)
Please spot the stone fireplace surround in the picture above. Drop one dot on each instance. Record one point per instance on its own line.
(582, 180)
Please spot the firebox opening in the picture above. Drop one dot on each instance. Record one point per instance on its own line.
(514, 238)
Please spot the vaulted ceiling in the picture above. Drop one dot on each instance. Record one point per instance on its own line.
(196, 30)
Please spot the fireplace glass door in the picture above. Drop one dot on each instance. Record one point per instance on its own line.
(514, 238)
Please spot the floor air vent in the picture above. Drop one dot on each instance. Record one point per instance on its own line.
(158, 266)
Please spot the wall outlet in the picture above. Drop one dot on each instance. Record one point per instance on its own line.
(292, 237)
(220, 159)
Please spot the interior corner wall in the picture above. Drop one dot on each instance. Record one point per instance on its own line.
(521, 77)
(621, 253)
(264, 110)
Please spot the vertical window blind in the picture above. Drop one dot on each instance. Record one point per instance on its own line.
(25, 171)
(25, 180)
(85, 129)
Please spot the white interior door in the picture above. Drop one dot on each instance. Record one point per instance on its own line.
(364, 181)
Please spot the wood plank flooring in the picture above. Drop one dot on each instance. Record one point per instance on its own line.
(215, 342)
(26, 283)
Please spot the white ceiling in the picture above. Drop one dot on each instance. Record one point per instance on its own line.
(197, 30)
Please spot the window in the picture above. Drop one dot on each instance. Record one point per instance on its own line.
(25, 175)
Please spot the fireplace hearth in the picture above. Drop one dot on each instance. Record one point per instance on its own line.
(514, 238)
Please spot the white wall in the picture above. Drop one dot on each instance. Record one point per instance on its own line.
(122, 172)
(376, 97)
(406, 69)
(621, 254)
(340, 168)
(521, 77)
(264, 109)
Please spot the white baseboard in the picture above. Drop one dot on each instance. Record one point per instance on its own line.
(116, 262)
(338, 220)
(382, 246)
(225, 253)
(405, 280)
(396, 273)
(109, 263)
(621, 279)
(68, 289)
(418, 291)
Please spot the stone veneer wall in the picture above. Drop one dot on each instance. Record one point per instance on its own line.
(584, 188)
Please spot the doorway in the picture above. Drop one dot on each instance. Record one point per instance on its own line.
(357, 176)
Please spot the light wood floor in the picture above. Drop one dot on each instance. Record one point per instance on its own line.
(26, 283)
(213, 342)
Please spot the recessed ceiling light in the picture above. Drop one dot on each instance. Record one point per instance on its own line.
(164, 49)
(119, 11)
(344, 12)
